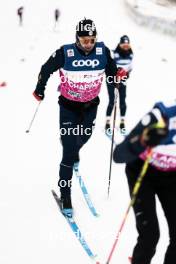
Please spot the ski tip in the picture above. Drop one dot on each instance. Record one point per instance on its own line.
(94, 258)
(96, 215)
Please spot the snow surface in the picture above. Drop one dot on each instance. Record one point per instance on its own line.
(32, 230)
(159, 9)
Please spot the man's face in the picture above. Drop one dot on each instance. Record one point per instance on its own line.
(125, 46)
(87, 43)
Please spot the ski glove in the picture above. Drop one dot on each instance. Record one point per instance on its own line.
(121, 74)
(154, 134)
(39, 96)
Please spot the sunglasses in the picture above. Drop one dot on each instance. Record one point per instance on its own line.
(86, 41)
(124, 44)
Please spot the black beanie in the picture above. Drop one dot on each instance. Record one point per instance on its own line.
(86, 28)
(124, 39)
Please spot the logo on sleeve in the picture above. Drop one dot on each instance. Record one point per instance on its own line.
(70, 52)
(99, 51)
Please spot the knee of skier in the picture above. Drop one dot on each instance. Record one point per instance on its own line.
(66, 169)
(154, 237)
(109, 109)
(67, 162)
(86, 137)
(148, 231)
(69, 158)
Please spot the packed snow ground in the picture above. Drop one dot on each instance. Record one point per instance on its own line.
(32, 230)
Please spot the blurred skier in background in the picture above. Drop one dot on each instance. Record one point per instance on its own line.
(123, 56)
(20, 11)
(56, 16)
(159, 180)
(81, 66)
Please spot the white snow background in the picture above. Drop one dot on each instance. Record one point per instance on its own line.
(31, 228)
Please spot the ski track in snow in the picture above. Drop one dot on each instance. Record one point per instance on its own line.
(32, 230)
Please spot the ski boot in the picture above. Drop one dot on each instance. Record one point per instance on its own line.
(76, 166)
(108, 130)
(122, 127)
(66, 206)
(76, 162)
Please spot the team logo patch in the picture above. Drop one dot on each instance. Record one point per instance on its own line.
(99, 51)
(70, 52)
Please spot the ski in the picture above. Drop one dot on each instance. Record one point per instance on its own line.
(85, 193)
(76, 231)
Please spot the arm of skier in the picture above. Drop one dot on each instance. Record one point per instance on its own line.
(55, 62)
(149, 132)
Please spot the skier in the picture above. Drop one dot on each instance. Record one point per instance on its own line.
(123, 56)
(160, 178)
(56, 16)
(81, 65)
(20, 14)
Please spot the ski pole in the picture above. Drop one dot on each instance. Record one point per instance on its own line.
(30, 125)
(132, 202)
(112, 141)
